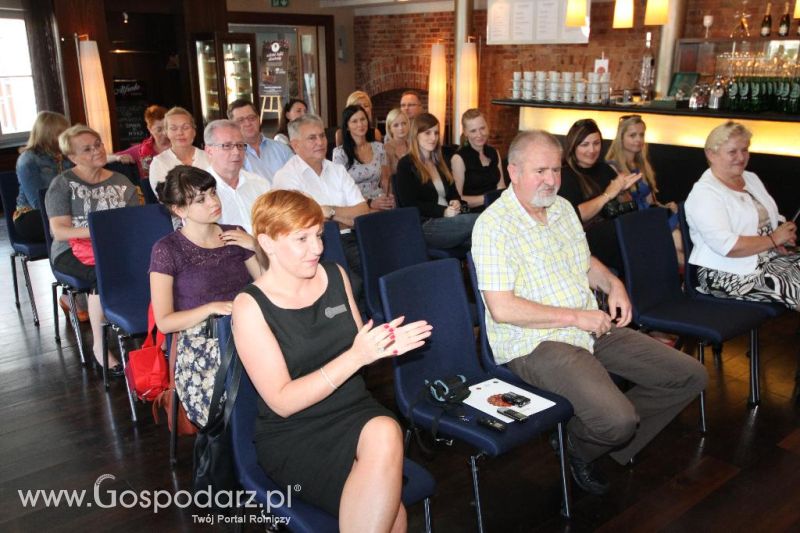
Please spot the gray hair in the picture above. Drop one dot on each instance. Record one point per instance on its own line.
(525, 139)
(210, 133)
(299, 122)
(723, 133)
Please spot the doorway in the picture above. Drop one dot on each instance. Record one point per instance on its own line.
(290, 61)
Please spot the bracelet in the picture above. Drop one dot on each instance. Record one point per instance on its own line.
(774, 245)
(324, 375)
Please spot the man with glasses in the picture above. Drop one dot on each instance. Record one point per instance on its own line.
(263, 156)
(237, 188)
(411, 104)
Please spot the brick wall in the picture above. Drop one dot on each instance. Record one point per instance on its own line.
(393, 52)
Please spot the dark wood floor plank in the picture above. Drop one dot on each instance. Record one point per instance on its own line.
(791, 442)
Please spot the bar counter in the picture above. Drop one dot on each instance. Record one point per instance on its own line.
(773, 133)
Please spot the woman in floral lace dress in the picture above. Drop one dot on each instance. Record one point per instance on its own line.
(195, 272)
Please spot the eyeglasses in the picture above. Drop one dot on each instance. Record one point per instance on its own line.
(248, 118)
(96, 147)
(230, 146)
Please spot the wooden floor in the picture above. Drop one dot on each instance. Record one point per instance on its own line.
(59, 429)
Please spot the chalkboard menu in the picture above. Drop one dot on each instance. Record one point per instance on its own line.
(131, 101)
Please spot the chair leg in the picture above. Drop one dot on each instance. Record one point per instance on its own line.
(123, 355)
(104, 349)
(566, 487)
(428, 526)
(473, 463)
(755, 394)
(701, 356)
(30, 290)
(716, 349)
(54, 287)
(173, 433)
(76, 325)
(14, 277)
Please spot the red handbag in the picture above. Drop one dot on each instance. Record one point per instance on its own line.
(82, 250)
(147, 368)
(165, 399)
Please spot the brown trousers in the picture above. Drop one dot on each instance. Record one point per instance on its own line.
(606, 419)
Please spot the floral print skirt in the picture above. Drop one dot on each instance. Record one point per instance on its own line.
(195, 371)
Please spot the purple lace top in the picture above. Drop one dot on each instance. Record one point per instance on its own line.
(200, 275)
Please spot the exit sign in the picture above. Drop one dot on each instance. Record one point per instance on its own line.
(280, 3)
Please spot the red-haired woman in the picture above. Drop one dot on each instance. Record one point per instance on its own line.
(300, 337)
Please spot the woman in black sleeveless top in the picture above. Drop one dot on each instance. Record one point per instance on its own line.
(476, 165)
(300, 338)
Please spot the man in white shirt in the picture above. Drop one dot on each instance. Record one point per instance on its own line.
(237, 189)
(263, 156)
(326, 182)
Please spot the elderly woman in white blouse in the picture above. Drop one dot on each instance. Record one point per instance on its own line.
(740, 239)
(181, 131)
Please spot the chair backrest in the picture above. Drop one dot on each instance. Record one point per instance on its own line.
(649, 259)
(9, 189)
(487, 357)
(394, 181)
(491, 196)
(432, 291)
(122, 240)
(48, 237)
(132, 173)
(689, 270)
(332, 245)
(387, 241)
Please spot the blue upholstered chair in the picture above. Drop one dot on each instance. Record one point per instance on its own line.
(654, 287)
(418, 484)
(26, 251)
(387, 241)
(71, 286)
(332, 245)
(770, 310)
(434, 291)
(491, 196)
(122, 240)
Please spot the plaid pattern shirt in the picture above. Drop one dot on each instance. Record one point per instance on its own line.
(546, 264)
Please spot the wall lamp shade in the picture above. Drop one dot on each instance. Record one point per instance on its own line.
(797, 9)
(437, 85)
(656, 12)
(93, 86)
(576, 13)
(467, 83)
(623, 14)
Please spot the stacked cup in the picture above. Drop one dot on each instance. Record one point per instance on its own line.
(593, 88)
(516, 86)
(566, 86)
(541, 85)
(527, 85)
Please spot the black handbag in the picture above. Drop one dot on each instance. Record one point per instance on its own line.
(213, 469)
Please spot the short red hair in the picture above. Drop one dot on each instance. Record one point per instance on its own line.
(281, 212)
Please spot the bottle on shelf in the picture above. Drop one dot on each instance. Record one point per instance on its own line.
(783, 25)
(766, 22)
(646, 71)
(716, 94)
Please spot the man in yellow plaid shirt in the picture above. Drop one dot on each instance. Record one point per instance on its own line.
(536, 277)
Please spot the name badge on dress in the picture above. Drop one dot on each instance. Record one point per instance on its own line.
(331, 312)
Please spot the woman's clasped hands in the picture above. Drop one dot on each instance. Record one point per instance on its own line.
(453, 208)
(390, 339)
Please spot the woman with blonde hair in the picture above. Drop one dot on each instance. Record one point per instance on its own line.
(73, 194)
(425, 182)
(39, 162)
(740, 239)
(181, 131)
(300, 338)
(477, 168)
(396, 140)
(362, 99)
(628, 154)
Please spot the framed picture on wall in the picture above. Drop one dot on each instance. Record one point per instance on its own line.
(683, 81)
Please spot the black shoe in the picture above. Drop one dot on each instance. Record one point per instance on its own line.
(588, 477)
(116, 371)
(584, 473)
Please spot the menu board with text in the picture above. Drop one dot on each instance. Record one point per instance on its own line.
(532, 22)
